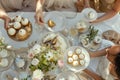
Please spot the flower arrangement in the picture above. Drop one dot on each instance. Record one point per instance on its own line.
(43, 59)
(2, 43)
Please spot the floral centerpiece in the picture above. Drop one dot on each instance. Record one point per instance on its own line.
(43, 59)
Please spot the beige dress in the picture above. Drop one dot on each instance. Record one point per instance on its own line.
(29, 5)
(18, 5)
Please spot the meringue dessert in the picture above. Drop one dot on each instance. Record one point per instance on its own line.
(24, 21)
(82, 62)
(19, 62)
(81, 26)
(91, 15)
(3, 62)
(70, 60)
(81, 56)
(11, 31)
(75, 57)
(75, 63)
(70, 53)
(78, 50)
(17, 25)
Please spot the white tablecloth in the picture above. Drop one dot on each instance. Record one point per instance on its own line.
(113, 23)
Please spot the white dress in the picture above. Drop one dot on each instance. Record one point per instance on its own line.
(100, 65)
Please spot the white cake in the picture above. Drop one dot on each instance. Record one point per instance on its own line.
(4, 62)
(91, 15)
(97, 39)
(18, 18)
(17, 25)
(22, 32)
(75, 57)
(70, 53)
(25, 21)
(81, 56)
(19, 62)
(82, 62)
(75, 63)
(3, 53)
(11, 31)
(70, 60)
(78, 50)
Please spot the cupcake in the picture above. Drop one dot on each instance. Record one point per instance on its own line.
(17, 25)
(4, 62)
(18, 19)
(11, 31)
(82, 62)
(97, 39)
(70, 53)
(81, 56)
(19, 62)
(21, 35)
(75, 63)
(70, 60)
(81, 26)
(78, 50)
(75, 57)
(91, 15)
(24, 21)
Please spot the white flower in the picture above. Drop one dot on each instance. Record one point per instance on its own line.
(36, 49)
(49, 56)
(37, 75)
(35, 61)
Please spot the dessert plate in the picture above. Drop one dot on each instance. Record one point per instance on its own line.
(79, 67)
(89, 14)
(57, 18)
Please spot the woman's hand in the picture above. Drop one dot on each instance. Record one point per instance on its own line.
(6, 22)
(39, 17)
(6, 19)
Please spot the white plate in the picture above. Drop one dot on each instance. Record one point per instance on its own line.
(77, 68)
(86, 11)
(57, 18)
(10, 59)
(9, 72)
(62, 39)
(67, 75)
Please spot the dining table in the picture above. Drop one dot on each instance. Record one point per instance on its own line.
(70, 20)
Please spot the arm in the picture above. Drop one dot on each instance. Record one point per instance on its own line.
(39, 12)
(109, 14)
(98, 53)
(4, 16)
(93, 75)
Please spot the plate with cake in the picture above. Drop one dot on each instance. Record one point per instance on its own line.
(89, 14)
(54, 21)
(76, 58)
(19, 28)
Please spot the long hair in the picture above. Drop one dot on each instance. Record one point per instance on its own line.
(117, 65)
